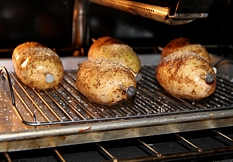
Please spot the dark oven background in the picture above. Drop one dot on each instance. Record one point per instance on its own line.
(50, 23)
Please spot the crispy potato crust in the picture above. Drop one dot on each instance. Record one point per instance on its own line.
(115, 50)
(180, 44)
(103, 81)
(33, 61)
(182, 74)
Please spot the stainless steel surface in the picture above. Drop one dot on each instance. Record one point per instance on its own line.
(158, 13)
(65, 105)
(79, 26)
(17, 136)
(203, 145)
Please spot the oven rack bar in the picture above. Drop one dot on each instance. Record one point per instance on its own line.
(65, 105)
(189, 148)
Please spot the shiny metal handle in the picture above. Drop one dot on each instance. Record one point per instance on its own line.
(183, 12)
(5, 74)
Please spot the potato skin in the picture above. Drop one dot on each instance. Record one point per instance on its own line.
(182, 75)
(181, 44)
(104, 82)
(33, 61)
(115, 50)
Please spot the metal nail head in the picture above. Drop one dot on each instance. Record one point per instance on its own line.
(49, 78)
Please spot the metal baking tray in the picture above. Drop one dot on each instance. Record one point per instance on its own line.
(62, 116)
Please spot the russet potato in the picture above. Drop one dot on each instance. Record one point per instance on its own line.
(115, 50)
(181, 44)
(185, 74)
(104, 82)
(37, 66)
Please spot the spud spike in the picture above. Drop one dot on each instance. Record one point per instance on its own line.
(209, 78)
(130, 91)
(93, 40)
(138, 76)
(49, 78)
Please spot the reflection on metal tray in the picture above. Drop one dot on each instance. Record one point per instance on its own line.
(138, 117)
(64, 104)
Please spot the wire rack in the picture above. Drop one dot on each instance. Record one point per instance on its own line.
(64, 104)
(203, 145)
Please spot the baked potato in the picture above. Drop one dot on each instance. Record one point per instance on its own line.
(114, 49)
(180, 44)
(105, 82)
(37, 66)
(185, 74)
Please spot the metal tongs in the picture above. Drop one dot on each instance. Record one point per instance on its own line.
(175, 13)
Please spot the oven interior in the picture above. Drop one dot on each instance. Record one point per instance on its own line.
(215, 145)
(51, 23)
(146, 128)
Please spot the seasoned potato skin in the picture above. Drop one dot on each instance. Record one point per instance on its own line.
(33, 61)
(182, 75)
(104, 82)
(181, 44)
(115, 50)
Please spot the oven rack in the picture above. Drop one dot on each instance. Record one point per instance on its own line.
(65, 105)
(185, 147)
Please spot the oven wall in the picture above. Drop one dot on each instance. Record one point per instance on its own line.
(138, 31)
(50, 23)
(46, 21)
